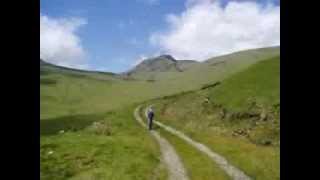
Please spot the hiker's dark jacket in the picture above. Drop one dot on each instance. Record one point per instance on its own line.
(150, 115)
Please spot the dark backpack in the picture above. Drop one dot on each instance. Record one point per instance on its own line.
(150, 114)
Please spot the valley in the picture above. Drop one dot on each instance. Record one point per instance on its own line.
(229, 103)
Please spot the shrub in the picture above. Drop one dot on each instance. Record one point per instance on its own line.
(100, 128)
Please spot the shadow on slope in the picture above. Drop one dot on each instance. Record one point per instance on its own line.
(77, 122)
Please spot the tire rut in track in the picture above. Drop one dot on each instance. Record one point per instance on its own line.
(169, 157)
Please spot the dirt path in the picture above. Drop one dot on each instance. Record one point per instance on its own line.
(170, 158)
(232, 171)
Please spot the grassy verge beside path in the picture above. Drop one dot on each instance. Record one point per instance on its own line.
(113, 146)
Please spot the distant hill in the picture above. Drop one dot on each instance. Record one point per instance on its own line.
(258, 53)
(168, 64)
(42, 62)
(109, 90)
(163, 63)
(165, 67)
(45, 66)
(186, 64)
(48, 68)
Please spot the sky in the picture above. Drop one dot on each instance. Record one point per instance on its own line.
(114, 36)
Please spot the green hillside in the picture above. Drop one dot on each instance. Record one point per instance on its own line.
(239, 118)
(98, 146)
(210, 70)
(67, 92)
(87, 127)
(259, 84)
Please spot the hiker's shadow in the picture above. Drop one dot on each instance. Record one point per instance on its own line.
(155, 127)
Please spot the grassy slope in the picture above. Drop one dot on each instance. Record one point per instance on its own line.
(212, 69)
(73, 101)
(64, 94)
(117, 148)
(244, 97)
(198, 165)
(261, 82)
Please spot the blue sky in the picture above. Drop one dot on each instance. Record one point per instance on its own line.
(114, 35)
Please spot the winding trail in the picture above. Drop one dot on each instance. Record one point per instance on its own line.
(231, 170)
(176, 170)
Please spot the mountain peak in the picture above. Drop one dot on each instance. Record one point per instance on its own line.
(162, 63)
(157, 64)
(166, 56)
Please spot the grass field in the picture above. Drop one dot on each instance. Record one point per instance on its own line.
(64, 93)
(198, 165)
(88, 131)
(111, 146)
(238, 118)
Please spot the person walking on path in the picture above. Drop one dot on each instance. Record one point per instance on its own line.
(150, 117)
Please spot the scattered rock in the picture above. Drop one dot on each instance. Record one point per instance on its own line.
(206, 100)
(267, 142)
(215, 105)
(263, 115)
(240, 132)
(223, 113)
(50, 152)
(101, 128)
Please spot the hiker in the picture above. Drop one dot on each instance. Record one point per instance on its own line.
(150, 117)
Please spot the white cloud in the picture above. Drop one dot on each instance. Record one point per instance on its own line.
(59, 43)
(190, 3)
(205, 29)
